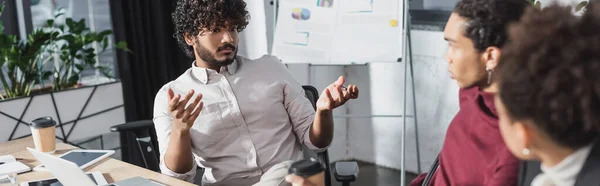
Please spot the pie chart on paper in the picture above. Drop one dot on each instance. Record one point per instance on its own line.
(300, 14)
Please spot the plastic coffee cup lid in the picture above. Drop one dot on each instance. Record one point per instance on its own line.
(306, 167)
(43, 122)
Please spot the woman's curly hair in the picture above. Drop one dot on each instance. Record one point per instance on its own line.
(550, 73)
(191, 16)
(487, 20)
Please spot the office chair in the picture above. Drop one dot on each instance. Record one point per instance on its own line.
(434, 167)
(138, 139)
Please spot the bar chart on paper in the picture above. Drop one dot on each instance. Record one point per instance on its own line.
(325, 3)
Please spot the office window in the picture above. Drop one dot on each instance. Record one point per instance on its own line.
(97, 16)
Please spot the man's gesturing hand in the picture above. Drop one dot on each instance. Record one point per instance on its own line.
(184, 117)
(333, 96)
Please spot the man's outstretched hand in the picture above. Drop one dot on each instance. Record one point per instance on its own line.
(334, 95)
(184, 117)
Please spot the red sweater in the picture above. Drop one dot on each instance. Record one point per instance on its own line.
(474, 152)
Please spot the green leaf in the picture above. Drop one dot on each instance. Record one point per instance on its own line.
(79, 67)
(69, 38)
(1, 8)
(92, 37)
(104, 43)
(105, 71)
(58, 15)
(89, 50)
(103, 34)
(73, 80)
(69, 22)
(50, 22)
(46, 75)
(581, 5)
(123, 46)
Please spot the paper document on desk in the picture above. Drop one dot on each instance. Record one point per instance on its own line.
(9, 164)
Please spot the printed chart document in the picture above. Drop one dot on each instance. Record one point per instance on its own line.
(338, 31)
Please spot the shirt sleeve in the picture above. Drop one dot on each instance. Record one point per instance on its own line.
(162, 123)
(298, 107)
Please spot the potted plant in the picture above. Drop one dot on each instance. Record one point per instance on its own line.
(21, 59)
(31, 89)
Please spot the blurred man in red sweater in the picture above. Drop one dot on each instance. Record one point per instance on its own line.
(474, 152)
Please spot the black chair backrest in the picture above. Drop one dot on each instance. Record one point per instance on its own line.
(527, 171)
(313, 95)
(139, 145)
(429, 176)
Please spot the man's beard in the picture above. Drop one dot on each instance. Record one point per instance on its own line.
(210, 59)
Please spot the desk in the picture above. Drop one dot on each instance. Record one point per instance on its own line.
(112, 169)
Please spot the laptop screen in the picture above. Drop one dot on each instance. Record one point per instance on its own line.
(81, 158)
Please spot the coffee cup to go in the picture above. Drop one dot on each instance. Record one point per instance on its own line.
(43, 131)
(311, 169)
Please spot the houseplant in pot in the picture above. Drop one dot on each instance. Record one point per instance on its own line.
(40, 76)
(72, 43)
(22, 59)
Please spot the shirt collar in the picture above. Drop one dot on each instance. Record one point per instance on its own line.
(567, 170)
(202, 74)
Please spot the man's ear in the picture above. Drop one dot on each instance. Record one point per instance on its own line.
(491, 57)
(189, 39)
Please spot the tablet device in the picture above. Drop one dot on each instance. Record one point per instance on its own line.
(83, 158)
(96, 177)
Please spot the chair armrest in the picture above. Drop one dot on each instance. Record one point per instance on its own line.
(346, 171)
(132, 126)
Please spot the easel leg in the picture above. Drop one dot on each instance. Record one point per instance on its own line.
(412, 77)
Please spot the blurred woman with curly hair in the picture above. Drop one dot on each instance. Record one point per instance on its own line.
(549, 95)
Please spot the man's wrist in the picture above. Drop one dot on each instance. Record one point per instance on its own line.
(180, 132)
(323, 112)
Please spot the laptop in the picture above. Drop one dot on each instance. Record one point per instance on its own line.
(69, 174)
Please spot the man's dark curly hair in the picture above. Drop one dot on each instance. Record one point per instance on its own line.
(550, 73)
(487, 20)
(191, 16)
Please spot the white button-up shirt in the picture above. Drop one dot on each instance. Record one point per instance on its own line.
(565, 172)
(253, 117)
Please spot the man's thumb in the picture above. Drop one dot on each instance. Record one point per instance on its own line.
(340, 81)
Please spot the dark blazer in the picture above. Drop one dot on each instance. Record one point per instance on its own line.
(588, 176)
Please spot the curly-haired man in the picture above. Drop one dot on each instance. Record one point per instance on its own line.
(239, 119)
(474, 152)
